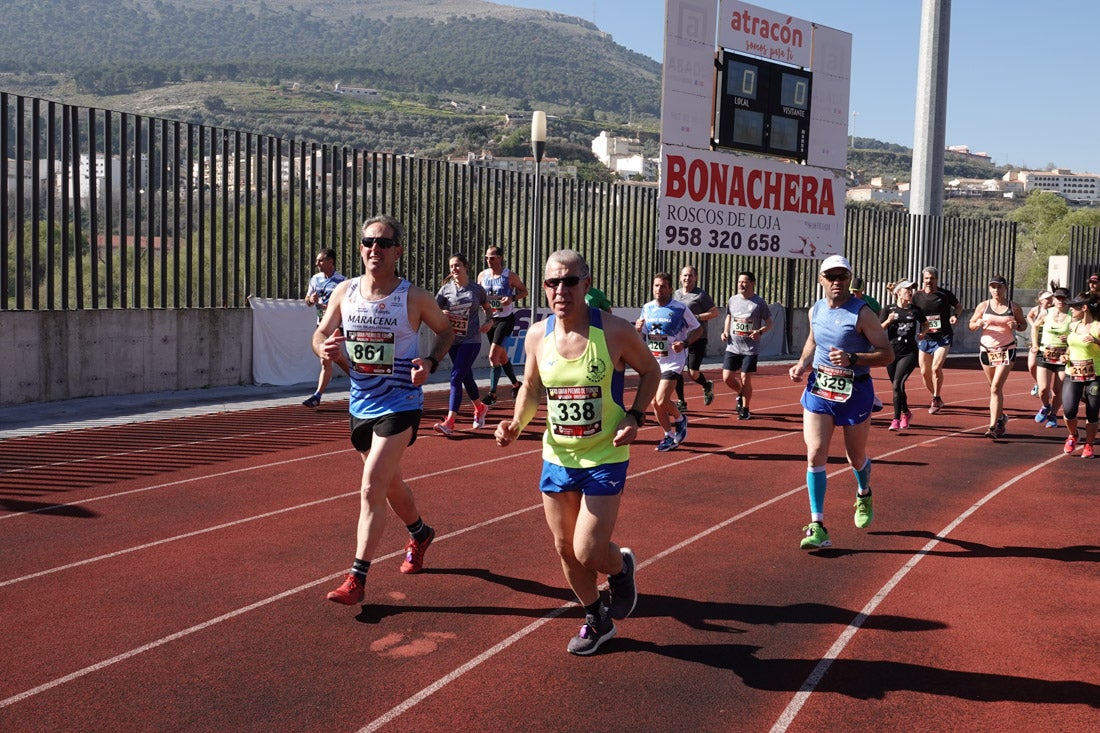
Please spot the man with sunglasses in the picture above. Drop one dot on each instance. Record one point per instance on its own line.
(504, 288)
(845, 341)
(377, 318)
(578, 357)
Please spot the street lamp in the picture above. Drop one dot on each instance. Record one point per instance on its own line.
(538, 147)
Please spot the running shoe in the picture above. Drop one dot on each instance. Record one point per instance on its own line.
(597, 629)
(1071, 444)
(1002, 424)
(895, 424)
(906, 416)
(681, 429)
(1086, 451)
(667, 443)
(744, 414)
(1034, 390)
(708, 393)
(414, 554)
(740, 405)
(313, 401)
(489, 399)
(515, 389)
(816, 536)
(681, 406)
(624, 591)
(445, 428)
(990, 433)
(349, 593)
(1052, 421)
(936, 406)
(479, 415)
(864, 512)
(1041, 415)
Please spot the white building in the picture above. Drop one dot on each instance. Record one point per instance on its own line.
(1078, 187)
(549, 167)
(623, 155)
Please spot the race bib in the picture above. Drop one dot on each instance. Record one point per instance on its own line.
(459, 322)
(1081, 370)
(740, 326)
(494, 302)
(658, 345)
(833, 383)
(370, 352)
(934, 324)
(1054, 354)
(575, 412)
(998, 358)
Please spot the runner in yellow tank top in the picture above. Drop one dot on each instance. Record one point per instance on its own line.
(577, 358)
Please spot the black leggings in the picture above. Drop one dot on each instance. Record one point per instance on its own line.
(899, 370)
(1071, 398)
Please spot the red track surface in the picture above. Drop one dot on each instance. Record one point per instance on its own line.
(171, 576)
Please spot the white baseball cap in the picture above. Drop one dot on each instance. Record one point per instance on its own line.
(833, 262)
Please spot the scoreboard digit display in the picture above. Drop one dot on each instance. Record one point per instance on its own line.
(761, 106)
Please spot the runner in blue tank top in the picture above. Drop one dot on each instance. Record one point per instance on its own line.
(845, 341)
(377, 316)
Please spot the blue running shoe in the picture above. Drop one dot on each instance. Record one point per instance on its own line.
(681, 429)
(1041, 415)
(1052, 421)
(667, 443)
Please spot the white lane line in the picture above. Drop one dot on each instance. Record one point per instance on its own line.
(810, 685)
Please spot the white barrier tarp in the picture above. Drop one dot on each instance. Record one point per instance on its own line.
(281, 334)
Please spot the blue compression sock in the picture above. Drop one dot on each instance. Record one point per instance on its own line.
(815, 482)
(494, 378)
(863, 479)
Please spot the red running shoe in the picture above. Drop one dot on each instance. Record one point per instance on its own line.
(1071, 444)
(414, 554)
(1087, 451)
(349, 593)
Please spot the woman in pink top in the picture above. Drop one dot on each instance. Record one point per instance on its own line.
(998, 319)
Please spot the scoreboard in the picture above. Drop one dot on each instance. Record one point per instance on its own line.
(761, 106)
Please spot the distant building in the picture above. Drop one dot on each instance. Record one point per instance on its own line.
(884, 189)
(1077, 187)
(623, 155)
(964, 150)
(550, 166)
(357, 91)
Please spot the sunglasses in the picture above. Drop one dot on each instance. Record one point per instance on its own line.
(836, 276)
(569, 281)
(382, 242)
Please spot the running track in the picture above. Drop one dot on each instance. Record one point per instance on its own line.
(170, 576)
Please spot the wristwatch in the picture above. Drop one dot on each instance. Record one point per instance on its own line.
(638, 415)
(434, 361)
(853, 357)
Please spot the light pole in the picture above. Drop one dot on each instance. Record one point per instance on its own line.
(538, 147)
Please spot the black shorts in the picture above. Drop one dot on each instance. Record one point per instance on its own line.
(696, 352)
(501, 329)
(363, 429)
(744, 363)
(983, 357)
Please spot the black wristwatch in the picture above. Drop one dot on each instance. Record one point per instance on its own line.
(435, 363)
(853, 357)
(638, 415)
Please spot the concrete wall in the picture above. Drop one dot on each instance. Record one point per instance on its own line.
(58, 355)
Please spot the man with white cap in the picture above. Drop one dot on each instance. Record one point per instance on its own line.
(1043, 301)
(845, 341)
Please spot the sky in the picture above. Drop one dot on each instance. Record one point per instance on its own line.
(1021, 80)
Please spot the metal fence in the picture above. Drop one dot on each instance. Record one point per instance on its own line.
(1084, 255)
(104, 209)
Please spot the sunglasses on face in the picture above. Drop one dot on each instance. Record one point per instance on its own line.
(836, 276)
(569, 281)
(382, 242)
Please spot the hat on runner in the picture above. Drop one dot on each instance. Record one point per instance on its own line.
(903, 285)
(1061, 293)
(1045, 294)
(1080, 300)
(1094, 277)
(998, 280)
(833, 262)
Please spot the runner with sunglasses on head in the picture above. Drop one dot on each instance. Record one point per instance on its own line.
(998, 319)
(904, 326)
(1048, 339)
